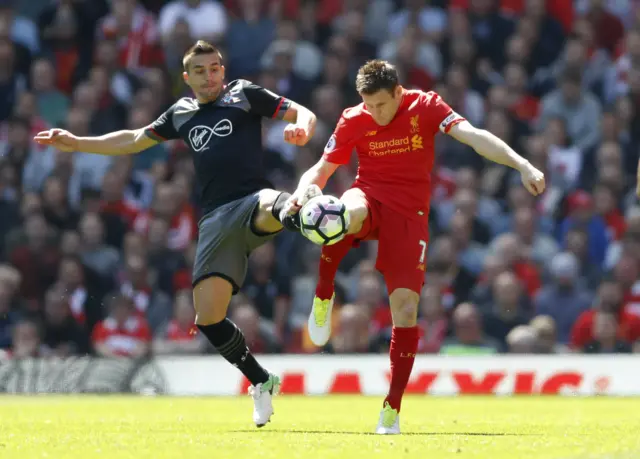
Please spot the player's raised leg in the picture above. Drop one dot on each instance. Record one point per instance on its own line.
(211, 297)
(401, 258)
(319, 323)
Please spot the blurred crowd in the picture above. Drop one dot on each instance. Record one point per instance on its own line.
(97, 251)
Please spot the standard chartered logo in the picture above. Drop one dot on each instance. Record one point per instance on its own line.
(396, 146)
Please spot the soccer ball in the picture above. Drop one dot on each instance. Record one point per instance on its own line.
(324, 220)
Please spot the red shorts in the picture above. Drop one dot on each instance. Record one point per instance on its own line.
(402, 244)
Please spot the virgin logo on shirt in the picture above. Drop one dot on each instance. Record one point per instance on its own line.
(199, 137)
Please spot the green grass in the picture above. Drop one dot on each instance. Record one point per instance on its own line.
(117, 427)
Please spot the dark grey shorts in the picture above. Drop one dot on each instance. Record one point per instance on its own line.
(225, 240)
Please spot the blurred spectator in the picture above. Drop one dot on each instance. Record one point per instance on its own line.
(507, 310)
(123, 333)
(469, 337)
(605, 336)
(26, 340)
(181, 334)
(353, 335)
(546, 332)
(432, 320)
(36, 260)
(56, 207)
(579, 109)
(268, 290)
(64, 336)
(135, 31)
(11, 82)
(306, 58)
(610, 299)
(581, 215)
(66, 29)
(577, 244)
(83, 296)
(9, 316)
(455, 280)
(137, 283)
(259, 335)
(95, 253)
(52, 104)
(169, 206)
(565, 298)
(247, 38)
(482, 292)
(522, 340)
(23, 30)
(207, 19)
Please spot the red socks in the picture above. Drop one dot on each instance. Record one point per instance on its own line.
(330, 260)
(404, 345)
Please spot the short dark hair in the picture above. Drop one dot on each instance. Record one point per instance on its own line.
(201, 47)
(376, 75)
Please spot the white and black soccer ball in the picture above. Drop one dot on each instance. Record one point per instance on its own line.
(324, 220)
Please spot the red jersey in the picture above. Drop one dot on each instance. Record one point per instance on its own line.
(394, 161)
(122, 339)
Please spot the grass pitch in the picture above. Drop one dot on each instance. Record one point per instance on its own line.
(116, 427)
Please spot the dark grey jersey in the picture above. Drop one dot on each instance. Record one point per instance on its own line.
(225, 139)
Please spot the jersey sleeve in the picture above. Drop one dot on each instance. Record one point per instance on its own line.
(441, 116)
(163, 128)
(340, 145)
(265, 103)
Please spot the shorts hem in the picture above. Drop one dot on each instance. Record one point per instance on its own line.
(234, 285)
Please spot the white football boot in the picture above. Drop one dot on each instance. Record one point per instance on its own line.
(319, 323)
(389, 423)
(262, 395)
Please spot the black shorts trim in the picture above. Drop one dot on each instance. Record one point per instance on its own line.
(235, 287)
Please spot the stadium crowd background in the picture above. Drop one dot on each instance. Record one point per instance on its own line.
(97, 251)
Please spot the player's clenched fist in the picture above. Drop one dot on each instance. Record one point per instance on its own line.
(296, 135)
(58, 138)
(532, 179)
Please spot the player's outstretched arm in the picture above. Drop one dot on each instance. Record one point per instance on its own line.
(114, 143)
(317, 175)
(495, 149)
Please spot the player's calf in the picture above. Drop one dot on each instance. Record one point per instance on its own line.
(402, 354)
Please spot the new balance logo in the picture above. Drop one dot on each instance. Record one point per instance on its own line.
(407, 355)
(371, 133)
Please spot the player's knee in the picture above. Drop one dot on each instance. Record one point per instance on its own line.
(211, 298)
(358, 212)
(404, 307)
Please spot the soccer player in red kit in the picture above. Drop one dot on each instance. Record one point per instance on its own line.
(393, 133)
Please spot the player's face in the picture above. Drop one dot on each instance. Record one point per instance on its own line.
(383, 105)
(205, 76)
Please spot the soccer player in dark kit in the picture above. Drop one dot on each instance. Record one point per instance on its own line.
(222, 127)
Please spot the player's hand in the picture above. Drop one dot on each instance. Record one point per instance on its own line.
(532, 179)
(58, 138)
(296, 135)
(300, 197)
